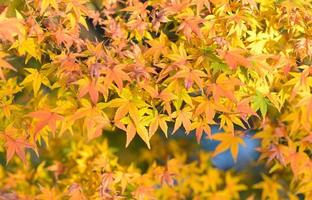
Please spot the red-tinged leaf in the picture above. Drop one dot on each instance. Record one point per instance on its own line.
(107, 181)
(9, 28)
(244, 109)
(234, 58)
(190, 76)
(2, 8)
(200, 4)
(94, 124)
(167, 178)
(115, 74)
(92, 87)
(174, 6)
(191, 25)
(16, 146)
(4, 65)
(165, 96)
(75, 192)
(224, 87)
(202, 126)
(137, 8)
(206, 108)
(228, 141)
(57, 169)
(158, 46)
(277, 152)
(46, 118)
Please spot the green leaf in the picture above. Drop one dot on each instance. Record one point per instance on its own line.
(259, 102)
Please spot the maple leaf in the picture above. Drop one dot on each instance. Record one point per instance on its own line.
(176, 6)
(90, 86)
(260, 102)
(190, 76)
(125, 178)
(167, 177)
(270, 188)
(106, 183)
(166, 96)
(138, 9)
(10, 27)
(205, 107)
(233, 185)
(75, 192)
(15, 146)
(46, 118)
(115, 74)
(95, 120)
(159, 120)
(244, 109)
(228, 141)
(36, 78)
(277, 152)
(182, 117)
(307, 102)
(190, 25)
(228, 121)
(178, 55)
(200, 4)
(128, 113)
(132, 129)
(157, 18)
(95, 124)
(202, 126)
(224, 87)
(234, 58)
(4, 65)
(29, 47)
(127, 104)
(143, 133)
(158, 46)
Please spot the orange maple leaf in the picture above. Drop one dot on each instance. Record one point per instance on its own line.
(191, 25)
(234, 58)
(165, 96)
(4, 65)
(91, 87)
(15, 146)
(46, 118)
(190, 76)
(115, 74)
(9, 28)
(244, 109)
(202, 126)
(224, 87)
